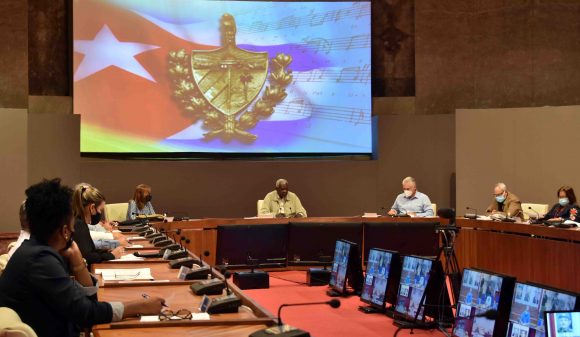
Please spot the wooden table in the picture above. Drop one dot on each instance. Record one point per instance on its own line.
(203, 236)
(534, 253)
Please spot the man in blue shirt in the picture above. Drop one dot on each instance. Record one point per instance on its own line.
(411, 201)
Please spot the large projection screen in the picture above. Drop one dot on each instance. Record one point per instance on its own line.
(199, 76)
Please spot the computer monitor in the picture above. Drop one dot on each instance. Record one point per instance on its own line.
(421, 275)
(562, 323)
(346, 269)
(483, 304)
(383, 272)
(530, 302)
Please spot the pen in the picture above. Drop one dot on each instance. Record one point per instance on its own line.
(147, 296)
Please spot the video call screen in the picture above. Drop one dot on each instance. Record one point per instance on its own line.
(528, 306)
(479, 293)
(340, 266)
(376, 277)
(563, 324)
(207, 76)
(414, 279)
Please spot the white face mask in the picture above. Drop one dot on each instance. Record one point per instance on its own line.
(408, 193)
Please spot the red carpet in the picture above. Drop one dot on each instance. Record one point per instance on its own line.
(322, 320)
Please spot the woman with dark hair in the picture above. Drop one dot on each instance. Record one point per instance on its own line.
(141, 202)
(37, 281)
(566, 208)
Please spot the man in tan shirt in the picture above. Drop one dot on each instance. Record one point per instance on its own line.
(505, 202)
(282, 203)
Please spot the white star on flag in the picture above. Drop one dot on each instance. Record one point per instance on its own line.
(105, 51)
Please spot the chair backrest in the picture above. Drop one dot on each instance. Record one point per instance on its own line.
(434, 206)
(3, 262)
(12, 326)
(116, 212)
(260, 203)
(539, 208)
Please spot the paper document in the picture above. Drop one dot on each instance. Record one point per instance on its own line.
(129, 257)
(125, 274)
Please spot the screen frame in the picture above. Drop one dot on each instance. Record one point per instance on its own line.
(503, 305)
(576, 311)
(543, 287)
(432, 274)
(372, 155)
(394, 255)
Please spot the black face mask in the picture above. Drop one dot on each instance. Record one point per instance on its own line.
(148, 198)
(95, 219)
(69, 242)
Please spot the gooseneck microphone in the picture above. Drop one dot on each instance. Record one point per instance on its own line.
(334, 303)
(533, 210)
(470, 215)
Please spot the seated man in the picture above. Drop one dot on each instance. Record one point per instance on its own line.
(282, 203)
(411, 201)
(505, 202)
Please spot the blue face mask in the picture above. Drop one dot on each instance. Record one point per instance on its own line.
(500, 198)
(564, 201)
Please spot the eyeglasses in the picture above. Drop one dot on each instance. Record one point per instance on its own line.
(167, 315)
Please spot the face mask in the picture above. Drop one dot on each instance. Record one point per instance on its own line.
(500, 198)
(96, 218)
(564, 201)
(408, 193)
(148, 198)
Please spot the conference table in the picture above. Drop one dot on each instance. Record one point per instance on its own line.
(203, 233)
(534, 253)
(530, 252)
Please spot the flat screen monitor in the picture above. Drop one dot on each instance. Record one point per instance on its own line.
(562, 323)
(529, 303)
(415, 276)
(383, 272)
(346, 269)
(159, 77)
(482, 291)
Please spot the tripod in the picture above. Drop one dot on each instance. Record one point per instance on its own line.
(447, 235)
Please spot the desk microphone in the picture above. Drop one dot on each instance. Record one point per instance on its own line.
(533, 210)
(288, 331)
(470, 215)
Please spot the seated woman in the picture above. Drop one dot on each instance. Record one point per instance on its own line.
(565, 209)
(88, 207)
(37, 281)
(141, 202)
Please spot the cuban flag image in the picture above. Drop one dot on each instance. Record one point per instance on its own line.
(124, 92)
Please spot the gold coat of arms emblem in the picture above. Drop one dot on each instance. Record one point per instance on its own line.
(222, 86)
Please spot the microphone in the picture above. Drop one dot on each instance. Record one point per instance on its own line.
(533, 210)
(489, 314)
(289, 331)
(334, 303)
(470, 215)
(225, 304)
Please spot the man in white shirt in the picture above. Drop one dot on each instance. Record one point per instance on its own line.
(411, 201)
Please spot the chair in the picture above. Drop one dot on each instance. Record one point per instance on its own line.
(11, 325)
(3, 262)
(434, 206)
(260, 203)
(116, 212)
(539, 208)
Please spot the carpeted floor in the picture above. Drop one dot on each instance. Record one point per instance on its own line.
(322, 320)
